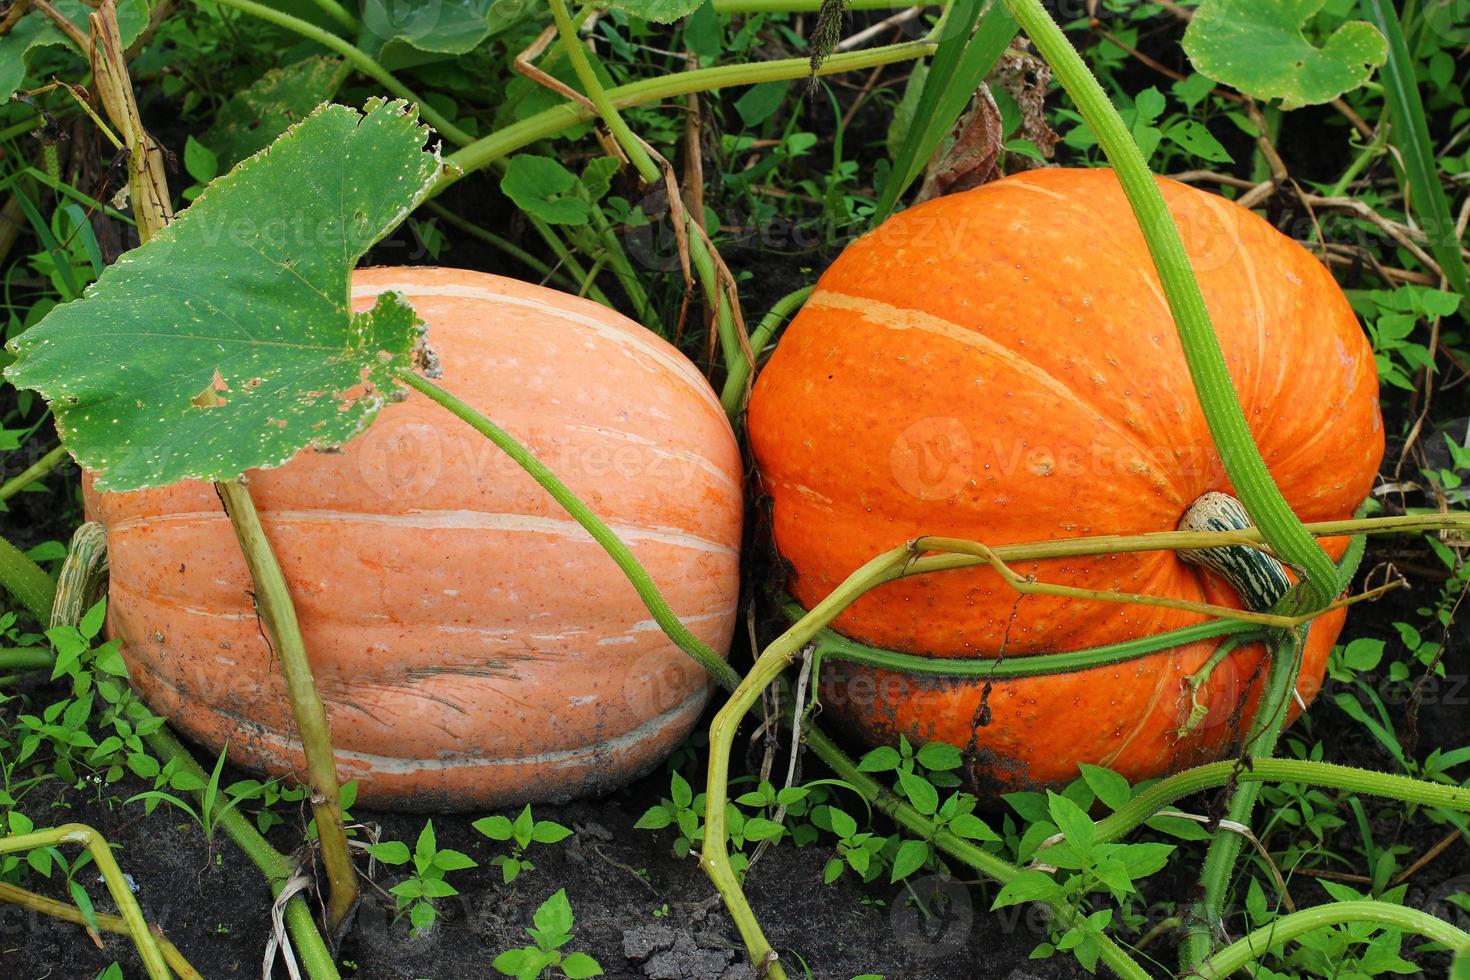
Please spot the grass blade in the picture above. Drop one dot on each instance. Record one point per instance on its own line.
(1410, 134)
(960, 64)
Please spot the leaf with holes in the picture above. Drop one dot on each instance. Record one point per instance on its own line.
(228, 342)
(1257, 46)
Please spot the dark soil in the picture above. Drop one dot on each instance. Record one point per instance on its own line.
(619, 881)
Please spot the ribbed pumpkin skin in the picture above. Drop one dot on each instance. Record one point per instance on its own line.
(1001, 365)
(474, 646)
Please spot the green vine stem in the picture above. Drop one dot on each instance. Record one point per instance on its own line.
(277, 868)
(1228, 427)
(831, 645)
(1242, 952)
(1242, 460)
(900, 562)
(358, 58)
(273, 601)
(340, 14)
(651, 174)
(506, 140)
(594, 525)
(1154, 797)
(737, 382)
(117, 885)
(32, 473)
(26, 580)
(20, 660)
(114, 924)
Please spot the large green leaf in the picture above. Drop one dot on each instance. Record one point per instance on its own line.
(1257, 47)
(227, 342)
(442, 27)
(266, 108)
(658, 11)
(35, 31)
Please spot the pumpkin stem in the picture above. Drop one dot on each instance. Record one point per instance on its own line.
(1258, 578)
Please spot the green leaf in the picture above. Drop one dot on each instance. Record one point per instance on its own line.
(920, 792)
(1028, 886)
(263, 110)
(542, 187)
(939, 756)
(200, 161)
(654, 818)
(390, 852)
(971, 827)
(881, 759)
(1109, 787)
(452, 27)
(1196, 138)
(910, 857)
(424, 848)
(760, 102)
(1410, 134)
(92, 620)
(227, 342)
(658, 11)
(1072, 821)
(843, 825)
(496, 827)
(422, 916)
(452, 860)
(1257, 47)
(549, 832)
(554, 917)
(580, 966)
(679, 789)
(35, 31)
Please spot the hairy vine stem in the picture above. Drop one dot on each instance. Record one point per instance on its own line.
(587, 517)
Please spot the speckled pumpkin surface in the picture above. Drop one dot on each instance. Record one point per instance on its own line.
(474, 646)
(1001, 365)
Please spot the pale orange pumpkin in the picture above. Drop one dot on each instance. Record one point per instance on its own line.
(1001, 365)
(473, 645)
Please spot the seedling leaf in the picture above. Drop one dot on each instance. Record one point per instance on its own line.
(1257, 46)
(228, 342)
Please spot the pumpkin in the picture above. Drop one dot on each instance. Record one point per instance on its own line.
(1001, 365)
(472, 643)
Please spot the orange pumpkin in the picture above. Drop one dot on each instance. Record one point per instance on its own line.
(1001, 365)
(473, 645)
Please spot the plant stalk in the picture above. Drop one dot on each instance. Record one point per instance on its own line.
(1243, 952)
(273, 601)
(32, 473)
(306, 938)
(114, 924)
(117, 885)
